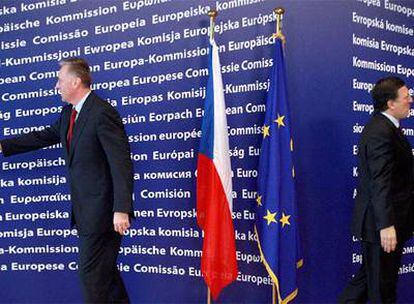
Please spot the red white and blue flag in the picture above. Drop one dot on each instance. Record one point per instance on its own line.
(214, 186)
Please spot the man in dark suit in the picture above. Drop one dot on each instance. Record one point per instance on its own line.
(97, 156)
(383, 215)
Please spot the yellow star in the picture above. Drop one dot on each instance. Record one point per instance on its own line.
(270, 217)
(291, 144)
(293, 172)
(280, 121)
(266, 131)
(285, 219)
(259, 200)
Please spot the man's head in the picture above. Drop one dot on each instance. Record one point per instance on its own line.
(392, 96)
(74, 79)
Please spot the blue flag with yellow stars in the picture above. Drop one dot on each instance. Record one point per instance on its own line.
(276, 220)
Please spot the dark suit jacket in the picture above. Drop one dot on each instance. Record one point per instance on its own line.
(99, 164)
(384, 196)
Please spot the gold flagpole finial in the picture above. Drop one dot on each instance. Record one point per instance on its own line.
(212, 14)
(279, 11)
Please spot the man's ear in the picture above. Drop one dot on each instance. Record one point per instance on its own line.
(77, 82)
(390, 104)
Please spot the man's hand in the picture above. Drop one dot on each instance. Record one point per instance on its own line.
(121, 222)
(388, 239)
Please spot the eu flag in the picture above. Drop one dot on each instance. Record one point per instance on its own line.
(276, 216)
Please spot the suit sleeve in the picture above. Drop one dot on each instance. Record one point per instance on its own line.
(111, 134)
(381, 163)
(32, 141)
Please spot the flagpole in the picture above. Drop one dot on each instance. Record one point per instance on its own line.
(279, 11)
(212, 14)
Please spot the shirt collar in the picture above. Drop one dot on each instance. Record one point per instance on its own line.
(79, 106)
(394, 120)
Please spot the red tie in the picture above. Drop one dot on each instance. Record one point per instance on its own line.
(71, 125)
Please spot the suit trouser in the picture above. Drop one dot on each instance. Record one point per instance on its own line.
(376, 280)
(100, 278)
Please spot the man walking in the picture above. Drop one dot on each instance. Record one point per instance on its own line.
(97, 156)
(383, 215)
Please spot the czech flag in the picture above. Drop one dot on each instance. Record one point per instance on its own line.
(214, 186)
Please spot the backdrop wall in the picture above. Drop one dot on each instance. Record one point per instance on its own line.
(149, 59)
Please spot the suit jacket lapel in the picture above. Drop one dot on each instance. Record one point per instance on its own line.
(404, 140)
(79, 125)
(401, 139)
(64, 130)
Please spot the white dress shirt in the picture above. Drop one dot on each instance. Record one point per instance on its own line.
(79, 106)
(394, 120)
